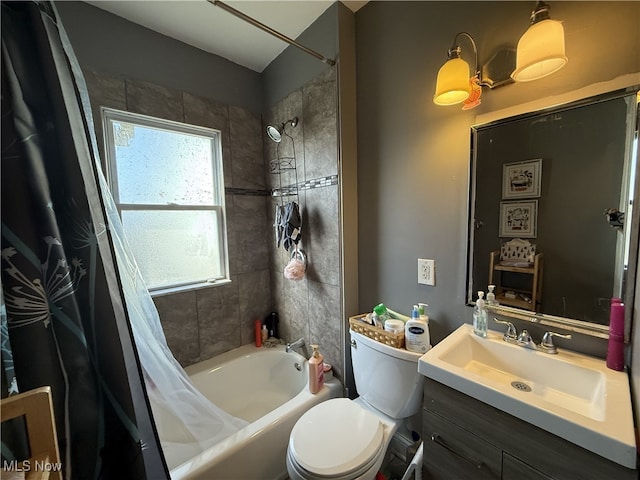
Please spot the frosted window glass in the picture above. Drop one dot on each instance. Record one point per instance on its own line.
(174, 247)
(167, 180)
(161, 167)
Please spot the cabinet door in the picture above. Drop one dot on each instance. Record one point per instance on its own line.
(515, 469)
(450, 452)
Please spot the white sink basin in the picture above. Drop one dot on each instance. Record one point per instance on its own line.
(569, 394)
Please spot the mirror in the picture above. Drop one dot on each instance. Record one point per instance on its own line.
(555, 179)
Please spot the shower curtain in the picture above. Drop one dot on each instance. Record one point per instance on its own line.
(77, 316)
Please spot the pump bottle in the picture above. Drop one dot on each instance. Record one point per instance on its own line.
(416, 333)
(316, 370)
(480, 316)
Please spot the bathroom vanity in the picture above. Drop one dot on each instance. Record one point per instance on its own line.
(468, 439)
(494, 409)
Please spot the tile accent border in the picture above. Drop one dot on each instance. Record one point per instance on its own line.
(307, 185)
(289, 190)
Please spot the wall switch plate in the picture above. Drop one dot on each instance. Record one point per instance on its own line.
(426, 271)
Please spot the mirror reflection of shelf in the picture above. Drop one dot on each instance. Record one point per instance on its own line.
(527, 298)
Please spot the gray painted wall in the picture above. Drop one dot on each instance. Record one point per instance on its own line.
(293, 68)
(413, 156)
(106, 42)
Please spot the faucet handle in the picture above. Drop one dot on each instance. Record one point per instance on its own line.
(547, 341)
(511, 335)
(524, 337)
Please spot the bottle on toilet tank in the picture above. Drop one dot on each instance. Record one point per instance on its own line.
(416, 333)
(316, 370)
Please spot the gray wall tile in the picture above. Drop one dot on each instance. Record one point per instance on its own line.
(154, 100)
(254, 299)
(179, 318)
(320, 126)
(247, 166)
(325, 323)
(218, 320)
(322, 234)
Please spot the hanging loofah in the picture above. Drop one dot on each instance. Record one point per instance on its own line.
(296, 267)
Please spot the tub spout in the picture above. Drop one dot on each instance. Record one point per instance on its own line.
(297, 344)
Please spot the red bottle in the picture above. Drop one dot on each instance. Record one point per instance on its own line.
(258, 333)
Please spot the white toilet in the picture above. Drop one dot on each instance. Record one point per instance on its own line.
(344, 439)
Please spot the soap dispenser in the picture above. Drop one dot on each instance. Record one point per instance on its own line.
(491, 296)
(316, 370)
(480, 316)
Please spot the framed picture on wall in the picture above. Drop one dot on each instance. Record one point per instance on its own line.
(518, 219)
(522, 179)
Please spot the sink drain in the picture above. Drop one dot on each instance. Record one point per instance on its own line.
(523, 387)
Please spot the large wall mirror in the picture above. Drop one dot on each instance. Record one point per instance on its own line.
(547, 189)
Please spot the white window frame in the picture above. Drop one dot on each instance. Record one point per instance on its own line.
(110, 115)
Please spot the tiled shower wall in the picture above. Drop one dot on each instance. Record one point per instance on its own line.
(310, 308)
(201, 323)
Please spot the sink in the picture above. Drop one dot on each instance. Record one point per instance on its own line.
(571, 395)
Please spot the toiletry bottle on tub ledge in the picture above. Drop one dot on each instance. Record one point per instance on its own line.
(316, 370)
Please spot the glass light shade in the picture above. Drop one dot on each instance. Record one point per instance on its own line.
(540, 51)
(452, 85)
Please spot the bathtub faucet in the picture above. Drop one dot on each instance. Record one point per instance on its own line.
(297, 344)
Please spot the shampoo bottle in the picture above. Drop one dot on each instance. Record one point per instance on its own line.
(316, 370)
(416, 333)
(258, 333)
(480, 316)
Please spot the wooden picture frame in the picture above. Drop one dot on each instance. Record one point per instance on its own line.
(522, 179)
(518, 219)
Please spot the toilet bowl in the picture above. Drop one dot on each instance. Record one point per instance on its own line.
(342, 439)
(339, 439)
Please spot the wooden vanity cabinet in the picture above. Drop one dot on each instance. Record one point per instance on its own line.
(468, 439)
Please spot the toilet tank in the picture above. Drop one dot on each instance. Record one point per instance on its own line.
(387, 378)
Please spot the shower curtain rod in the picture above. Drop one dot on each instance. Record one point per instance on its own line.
(270, 30)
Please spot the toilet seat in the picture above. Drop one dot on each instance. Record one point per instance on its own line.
(336, 438)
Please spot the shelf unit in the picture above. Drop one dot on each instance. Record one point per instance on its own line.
(534, 291)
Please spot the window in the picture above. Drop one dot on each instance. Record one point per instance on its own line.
(166, 179)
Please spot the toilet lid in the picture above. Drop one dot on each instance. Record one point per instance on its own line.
(335, 437)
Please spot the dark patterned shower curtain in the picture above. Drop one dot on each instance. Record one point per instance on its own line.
(66, 319)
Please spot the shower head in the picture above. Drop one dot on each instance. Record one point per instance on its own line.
(275, 132)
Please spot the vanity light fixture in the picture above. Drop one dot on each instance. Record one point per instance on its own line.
(540, 50)
(454, 83)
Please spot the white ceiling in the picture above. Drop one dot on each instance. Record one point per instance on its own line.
(210, 28)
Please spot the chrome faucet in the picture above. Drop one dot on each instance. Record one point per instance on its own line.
(547, 345)
(525, 340)
(297, 344)
(511, 335)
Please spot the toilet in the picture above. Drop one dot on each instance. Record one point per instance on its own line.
(342, 439)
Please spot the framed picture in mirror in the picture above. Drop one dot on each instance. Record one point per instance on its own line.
(518, 219)
(522, 179)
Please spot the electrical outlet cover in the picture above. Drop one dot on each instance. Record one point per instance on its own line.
(426, 272)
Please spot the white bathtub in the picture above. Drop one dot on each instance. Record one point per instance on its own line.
(264, 387)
